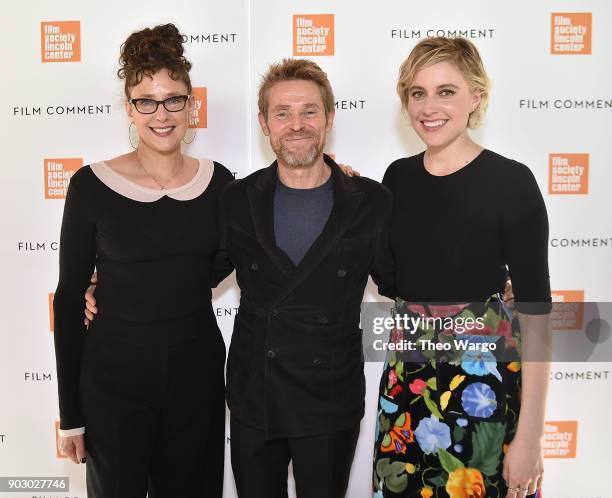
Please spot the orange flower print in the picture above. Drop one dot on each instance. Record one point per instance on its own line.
(465, 483)
(514, 366)
(426, 492)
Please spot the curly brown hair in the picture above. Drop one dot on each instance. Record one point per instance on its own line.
(147, 51)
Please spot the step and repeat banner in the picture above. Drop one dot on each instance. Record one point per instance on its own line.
(63, 107)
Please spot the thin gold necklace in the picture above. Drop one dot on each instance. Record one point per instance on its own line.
(161, 186)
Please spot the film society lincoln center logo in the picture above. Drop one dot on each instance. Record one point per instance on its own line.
(313, 34)
(199, 115)
(57, 175)
(60, 41)
(568, 309)
(560, 439)
(568, 173)
(570, 34)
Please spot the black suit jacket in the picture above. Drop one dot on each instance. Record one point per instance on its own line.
(295, 364)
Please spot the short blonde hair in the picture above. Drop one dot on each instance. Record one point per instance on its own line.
(295, 69)
(459, 51)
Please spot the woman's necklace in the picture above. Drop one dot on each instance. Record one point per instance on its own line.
(162, 186)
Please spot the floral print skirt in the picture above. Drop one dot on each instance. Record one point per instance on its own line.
(449, 407)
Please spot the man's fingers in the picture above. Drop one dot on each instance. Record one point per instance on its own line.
(68, 449)
(79, 444)
(94, 278)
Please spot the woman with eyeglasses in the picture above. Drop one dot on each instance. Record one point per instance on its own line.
(141, 392)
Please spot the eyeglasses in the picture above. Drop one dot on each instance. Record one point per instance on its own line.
(171, 104)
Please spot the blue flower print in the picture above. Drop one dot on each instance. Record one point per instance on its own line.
(431, 435)
(479, 400)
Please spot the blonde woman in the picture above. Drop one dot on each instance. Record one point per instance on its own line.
(455, 423)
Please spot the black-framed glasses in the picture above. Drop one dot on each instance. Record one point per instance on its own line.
(175, 103)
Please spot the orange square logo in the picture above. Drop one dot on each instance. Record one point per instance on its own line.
(560, 439)
(198, 118)
(313, 34)
(60, 41)
(57, 176)
(568, 174)
(58, 453)
(570, 34)
(568, 309)
(51, 318)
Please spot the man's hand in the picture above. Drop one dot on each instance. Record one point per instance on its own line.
(90, 301)
(73, 447)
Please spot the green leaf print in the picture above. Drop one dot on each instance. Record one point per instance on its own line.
(399, 370)
(452, 355)
(487, 440)
(439, 480)
(432, 383)
(385, 424)
(467, 314)
(448, 461)
(431, 404)
(492, 319)
(392, 360)
(458, 433)
(397, 483)
(394, 474)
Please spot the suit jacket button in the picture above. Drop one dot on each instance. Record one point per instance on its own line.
(274, 312)
(254, 267)
(316, 361)
(271, 354)
(341, 273)
(324, 319)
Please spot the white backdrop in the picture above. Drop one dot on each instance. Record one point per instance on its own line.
(546, 107)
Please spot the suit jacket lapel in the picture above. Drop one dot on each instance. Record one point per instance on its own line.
(261, 200)
(346, 202)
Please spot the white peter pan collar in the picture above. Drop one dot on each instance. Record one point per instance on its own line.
(127, 188)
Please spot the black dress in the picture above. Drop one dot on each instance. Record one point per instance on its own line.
(146, 380)
(446, 415)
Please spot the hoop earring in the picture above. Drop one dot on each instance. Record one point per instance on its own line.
(195, 133)
(130, 137)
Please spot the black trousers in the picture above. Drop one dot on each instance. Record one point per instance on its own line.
(153, 401)
(321, 464)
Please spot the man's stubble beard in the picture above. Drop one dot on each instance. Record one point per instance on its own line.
(300, 160)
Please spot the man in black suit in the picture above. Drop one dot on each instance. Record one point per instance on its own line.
(303, 238)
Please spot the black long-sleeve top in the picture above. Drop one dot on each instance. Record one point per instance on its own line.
(153, 250)
(454, 237)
